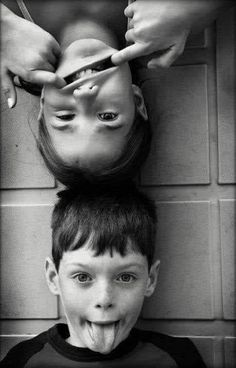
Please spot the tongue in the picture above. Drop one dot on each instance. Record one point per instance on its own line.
(103, 336)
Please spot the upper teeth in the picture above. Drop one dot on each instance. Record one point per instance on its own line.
(85, 72)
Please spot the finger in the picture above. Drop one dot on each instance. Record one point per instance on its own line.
(43, 65)
(55, 54)
(129, 36)
(9, 89)
(56, 49)
(48, 65)
(130, 52)
(59, 82)
(131, 23)
(44, 77)
(129, 11)
(34, 75)
(52, 60)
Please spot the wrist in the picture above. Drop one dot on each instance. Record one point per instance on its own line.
(203, 13)
(7, 16)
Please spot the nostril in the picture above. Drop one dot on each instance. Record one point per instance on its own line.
(104, 306)
(85, 91)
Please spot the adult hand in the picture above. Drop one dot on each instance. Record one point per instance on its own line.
(160, 28)
(27, 51)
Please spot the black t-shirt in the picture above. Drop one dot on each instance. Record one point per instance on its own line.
(142, 349)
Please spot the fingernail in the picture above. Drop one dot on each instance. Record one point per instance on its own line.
(10, 102)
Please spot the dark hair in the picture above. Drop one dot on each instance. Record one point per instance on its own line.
(110, 218)
(125, 167)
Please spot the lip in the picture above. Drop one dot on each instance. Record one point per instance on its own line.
(94, 76)
(104, 323)
(76, 58)
(104, 62)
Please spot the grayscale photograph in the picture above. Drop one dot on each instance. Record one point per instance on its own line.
(118, 184)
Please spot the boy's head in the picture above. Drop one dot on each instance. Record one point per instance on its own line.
(96, 125)
(102, 267)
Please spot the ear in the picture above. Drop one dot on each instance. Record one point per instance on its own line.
(52, 277)
(152, 278)
(139, 101)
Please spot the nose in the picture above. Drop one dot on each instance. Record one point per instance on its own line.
(85, 92)
(104, 298)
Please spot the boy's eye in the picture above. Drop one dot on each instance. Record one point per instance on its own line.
(126, 277)
(66, 117)
(107, 116)
(83, 277)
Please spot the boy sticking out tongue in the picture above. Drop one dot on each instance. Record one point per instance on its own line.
(102, 268)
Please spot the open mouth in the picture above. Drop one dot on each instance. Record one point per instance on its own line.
(103, 323)
(103, 327)
(89, 70)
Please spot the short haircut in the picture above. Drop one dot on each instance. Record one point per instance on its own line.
(135, 152)
(111, 218)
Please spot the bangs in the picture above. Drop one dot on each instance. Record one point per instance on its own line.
(102, 242)
(100, 233)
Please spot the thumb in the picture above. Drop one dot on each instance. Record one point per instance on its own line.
(129, 53)
(9, 89)
(166, 57)
(45, 77)
(163, 60)
(57, 81)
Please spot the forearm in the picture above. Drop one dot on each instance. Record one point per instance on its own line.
(201, 14)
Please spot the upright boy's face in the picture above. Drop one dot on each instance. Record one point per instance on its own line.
(88, 120)
(102, 295)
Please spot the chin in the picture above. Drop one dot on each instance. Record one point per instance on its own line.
(93, 43)
(89, 47)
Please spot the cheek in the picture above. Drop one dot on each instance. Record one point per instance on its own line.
(73, 300)
(132, 302)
